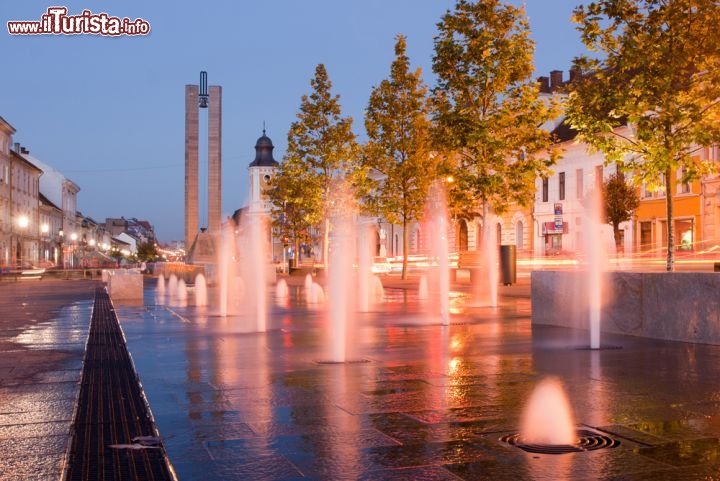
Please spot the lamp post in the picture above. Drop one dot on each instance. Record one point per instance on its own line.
(61, 239)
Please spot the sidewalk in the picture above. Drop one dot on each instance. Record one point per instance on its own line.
(43, 330)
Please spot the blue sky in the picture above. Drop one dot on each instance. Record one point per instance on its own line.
(108, 112)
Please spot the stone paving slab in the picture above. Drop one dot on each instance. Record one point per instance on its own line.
(429, 402)
(43, 329)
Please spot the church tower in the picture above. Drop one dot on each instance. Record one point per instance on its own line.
(262, 169)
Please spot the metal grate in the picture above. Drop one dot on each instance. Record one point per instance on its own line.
(112, 412)
(586, 441)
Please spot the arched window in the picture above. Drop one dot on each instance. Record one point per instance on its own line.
(463, 235)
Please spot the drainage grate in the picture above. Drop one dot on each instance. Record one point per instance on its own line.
(587, 441)
(113, 423)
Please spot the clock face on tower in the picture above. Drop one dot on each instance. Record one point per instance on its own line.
(265, 180)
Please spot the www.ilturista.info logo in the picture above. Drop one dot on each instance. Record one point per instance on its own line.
(57, 22)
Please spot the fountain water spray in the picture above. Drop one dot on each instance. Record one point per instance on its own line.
(200, 291)
(225, 270)
(161, 285)
(436, 224)
(548, 418)
(172, 286)
(364, 271)
(596, 256)
(255, 278)
(340, 278)
(182, 294)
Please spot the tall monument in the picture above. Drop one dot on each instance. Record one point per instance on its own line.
(200, 97)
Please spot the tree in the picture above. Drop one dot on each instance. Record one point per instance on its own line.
(620, 199)
(147, 251)
(488, 109)
(652, 98)
(321, 151)
(296, 201)
(398, 146)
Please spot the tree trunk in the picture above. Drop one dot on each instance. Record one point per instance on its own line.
(616, 234)
(326, 242)
(670, 230)
(483, 232)
(406, 247)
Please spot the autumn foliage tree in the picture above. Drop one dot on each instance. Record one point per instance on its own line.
(656, 71)
(321, 153)
(487, 106)
(398, 146)
(620, 199)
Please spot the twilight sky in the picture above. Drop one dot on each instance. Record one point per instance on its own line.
(108, 112)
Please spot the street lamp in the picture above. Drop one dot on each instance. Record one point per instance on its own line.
(61, 239)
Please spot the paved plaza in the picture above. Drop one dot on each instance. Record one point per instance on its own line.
(43, 330)
(417, 400)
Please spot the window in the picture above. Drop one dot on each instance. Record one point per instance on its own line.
(660, 192)
(645, 235)
(683, 187)
(598, 177)
(499, 233)
(579, 184)
(645, 193)
(519, 241)
(684, 232)
(561, 185)
(545, 189)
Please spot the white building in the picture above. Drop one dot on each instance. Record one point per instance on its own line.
(560, 214)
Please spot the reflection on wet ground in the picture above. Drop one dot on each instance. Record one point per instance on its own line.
(40, 370)
(430, 402)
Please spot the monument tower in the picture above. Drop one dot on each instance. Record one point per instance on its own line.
(200, 97)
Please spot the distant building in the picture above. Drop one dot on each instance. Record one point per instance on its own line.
(24, 212)
(51, 221)
(6, 133)
(61, 192)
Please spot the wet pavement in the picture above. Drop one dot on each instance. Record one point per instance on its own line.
(43, 330)
(416, 400)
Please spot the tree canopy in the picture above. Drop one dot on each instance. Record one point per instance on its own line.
(321, 150)
(620, 199)
(657, 71)
(398, 149)
(487, 106)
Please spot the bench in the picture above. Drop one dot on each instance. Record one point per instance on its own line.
(471, 261)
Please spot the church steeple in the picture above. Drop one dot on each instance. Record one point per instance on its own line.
(264, 152)
(262, 170)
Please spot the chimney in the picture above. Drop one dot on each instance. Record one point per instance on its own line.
(16, 147)
(23, 150)
(556, 79)
(574, 74)
(544, 85)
